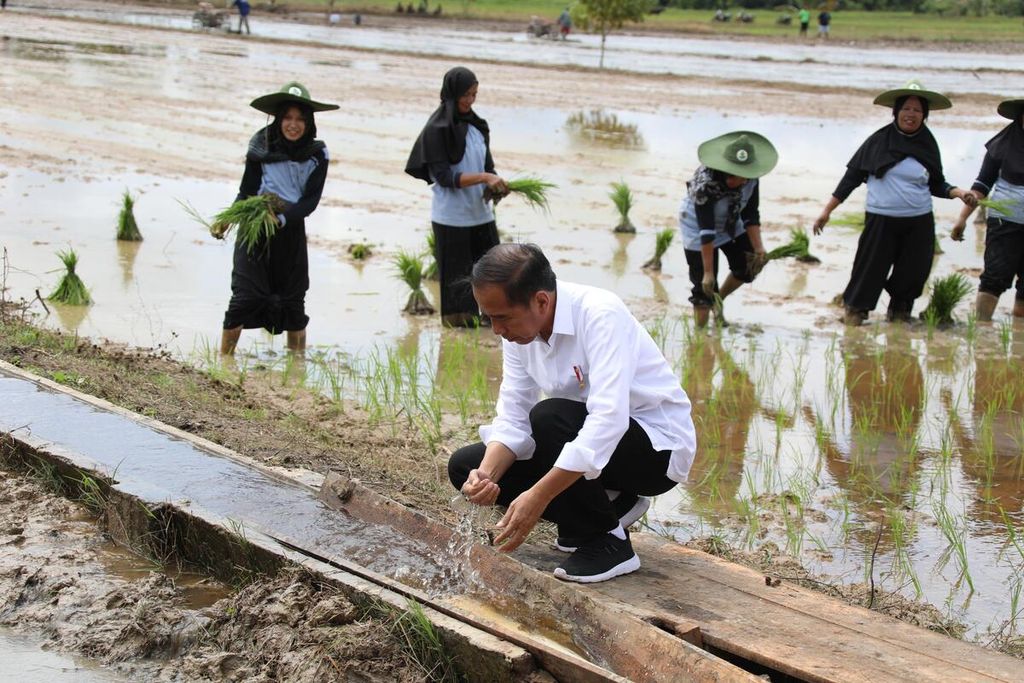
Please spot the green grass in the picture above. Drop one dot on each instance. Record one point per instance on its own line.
(70, 290)
(846, 24)
(946, 293)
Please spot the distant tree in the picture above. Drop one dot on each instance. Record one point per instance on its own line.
(605, 16)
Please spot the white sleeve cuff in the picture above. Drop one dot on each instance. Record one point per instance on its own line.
(577, 458)
(518, 442)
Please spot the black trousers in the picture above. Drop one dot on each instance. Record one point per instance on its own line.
(458, 248)
(894, 254)
(736, 253)
(1004, 257)
(582, 510)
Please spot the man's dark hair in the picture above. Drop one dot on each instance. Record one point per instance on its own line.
(521, 270)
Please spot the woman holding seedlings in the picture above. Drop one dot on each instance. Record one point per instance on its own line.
(268, 284)
(453, 155)
(901, 165)
(1001, 179)
(720, 213)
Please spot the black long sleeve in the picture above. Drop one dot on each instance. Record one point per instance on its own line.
(850, 181)
(987, 175)
(251, 179)
(751, 213)
(441, 172)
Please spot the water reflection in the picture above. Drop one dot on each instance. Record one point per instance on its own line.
(71, 317)
(604, 128)
(127, 252)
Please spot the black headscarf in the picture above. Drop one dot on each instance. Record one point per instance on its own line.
(269, 144)
(708, 186)
(443, 138)
(888, 146)
(1007, 147)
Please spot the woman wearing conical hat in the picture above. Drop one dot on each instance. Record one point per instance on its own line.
(720, 213)
(902, 167)
(268, 286)
(1001, 179)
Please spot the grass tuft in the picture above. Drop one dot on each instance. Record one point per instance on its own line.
(533, 190)
(360, 251)
(411, 272)
(1004, 207)
(946, 294)
(127, 228)
(255, 219)
(70, 290)
(661, 244)
(622, 197)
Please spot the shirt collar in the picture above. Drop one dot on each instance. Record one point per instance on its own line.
(564, 305)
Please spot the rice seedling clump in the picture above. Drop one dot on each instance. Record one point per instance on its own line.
(622, 197)
(798, 247)
(946, 293)
(127, 228)
(661, 244)
(410, 271)
(533, 190)
(70, 290)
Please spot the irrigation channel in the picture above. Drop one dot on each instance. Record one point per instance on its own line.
(885, 455)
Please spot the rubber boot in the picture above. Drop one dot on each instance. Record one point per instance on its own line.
(1018, 308)
(701, 315)
(297, 340)
(985, 306)
(731, 284)
(229, 340)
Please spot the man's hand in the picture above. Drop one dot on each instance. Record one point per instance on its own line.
(758, 260)
(479, 489)
(707, 283)
(519, 520)
(821, 221)
(957, 233)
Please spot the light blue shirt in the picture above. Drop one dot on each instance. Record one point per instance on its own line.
(688, 219)
(1011, 195)
(902, 192)
(464, 206)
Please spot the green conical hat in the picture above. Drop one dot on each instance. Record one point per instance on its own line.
(289, 92)
(741, 153)
(1010, 109)
(913, 87)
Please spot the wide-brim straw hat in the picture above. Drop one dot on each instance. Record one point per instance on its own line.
(913, 87)
(289, 92)
(1010, 109)
(741, 153)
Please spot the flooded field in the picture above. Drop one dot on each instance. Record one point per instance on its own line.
(890, 455)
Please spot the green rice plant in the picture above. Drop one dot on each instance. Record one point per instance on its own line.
(661, 244)
(70, 290)
(255, 219)
(360, 251)
(854, 221)
(946, 294)
(432, 272)
(421, 641)
(410, 271)
(127, 228)
(533, 190)
(1005, 207)
(622, 197)
(798, 247)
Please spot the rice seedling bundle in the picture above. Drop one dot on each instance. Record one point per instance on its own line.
(70, 290)
(661, 244)
(622, 197)
(533, 190)
(1004, 207)
(410, 271)
(946, 293)
(849, 220)
(254, 218)
(127, 228)
(360, 251)
(798, 247)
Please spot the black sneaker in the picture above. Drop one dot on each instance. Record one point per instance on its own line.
(628, 506)
(599, 560)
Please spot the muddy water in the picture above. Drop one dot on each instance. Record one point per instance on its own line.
(32, 664)
(795, 447)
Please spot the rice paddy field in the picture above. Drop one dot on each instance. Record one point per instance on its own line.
(889, 455)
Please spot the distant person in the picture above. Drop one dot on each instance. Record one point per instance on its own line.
(564, 23)
(243, 14)
(588, 405)
(824, 19)
(902, 166)
(720, 213)
(805, 20)
(1001, 179)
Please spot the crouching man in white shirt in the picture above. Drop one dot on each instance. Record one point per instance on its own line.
(614, 417)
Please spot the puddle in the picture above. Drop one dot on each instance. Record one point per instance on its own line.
(24, 656)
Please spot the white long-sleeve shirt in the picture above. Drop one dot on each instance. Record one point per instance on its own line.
(623, 375)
